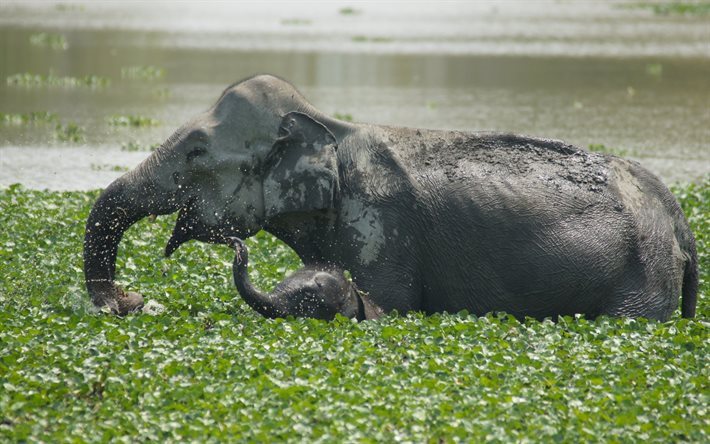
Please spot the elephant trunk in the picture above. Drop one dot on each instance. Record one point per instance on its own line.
(123, 203)
(259, 301)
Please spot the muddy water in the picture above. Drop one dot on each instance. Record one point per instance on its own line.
(588, 73)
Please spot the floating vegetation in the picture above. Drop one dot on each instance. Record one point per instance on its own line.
(296, 22)
(106, 167)
(29, 80)
(71, 132)
(654, 70)
(137, 146)
(365, 39)
(344, 116)
(142, 72)
(673, 8)
(47, 40)
(133, 121)
(30, 118)
(69, 7)
(349, 11)
(162, 93)
(601, 148)
(68, 372)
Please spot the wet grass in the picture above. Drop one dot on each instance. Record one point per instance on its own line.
(210, 369)
(29, 80)
(130, 120)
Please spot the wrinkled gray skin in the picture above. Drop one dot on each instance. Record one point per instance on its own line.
(423, 219)
(314, 291)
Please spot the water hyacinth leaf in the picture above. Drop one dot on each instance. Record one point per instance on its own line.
(209, 369)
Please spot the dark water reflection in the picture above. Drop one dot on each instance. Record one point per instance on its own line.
(657, 109)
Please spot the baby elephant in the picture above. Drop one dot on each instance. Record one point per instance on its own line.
(312, 292)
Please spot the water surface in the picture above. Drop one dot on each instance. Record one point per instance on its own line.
(587, 73)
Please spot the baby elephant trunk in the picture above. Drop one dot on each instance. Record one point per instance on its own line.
(259, 301)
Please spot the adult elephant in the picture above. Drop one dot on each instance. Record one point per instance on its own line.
(423, 220)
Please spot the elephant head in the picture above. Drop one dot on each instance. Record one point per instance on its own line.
(261, 151)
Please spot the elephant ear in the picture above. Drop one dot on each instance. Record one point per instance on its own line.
(302, 169)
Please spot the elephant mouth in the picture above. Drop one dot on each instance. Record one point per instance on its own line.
(189, 226)
(185, 229)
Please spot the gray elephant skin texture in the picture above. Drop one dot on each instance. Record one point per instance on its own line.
(425, 220)
(315, 291)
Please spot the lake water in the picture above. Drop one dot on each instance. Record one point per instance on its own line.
(585, 72)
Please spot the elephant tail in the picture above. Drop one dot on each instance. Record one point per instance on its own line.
(690, 283)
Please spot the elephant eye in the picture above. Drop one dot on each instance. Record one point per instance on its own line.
(198, 151)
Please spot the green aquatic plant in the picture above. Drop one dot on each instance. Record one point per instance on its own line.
(365, 39)
(162, 93)
(132, 145)
(69, 7)
(30, 118)
(107, 167)
(601, 148)
(349, 11)
(209, 369)
(142, 72)
(347, 117)
(29, 80)
(48, 40)
(296, 22)
(71, 132)
(654, 70)
(687, 8)
(132, 120)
